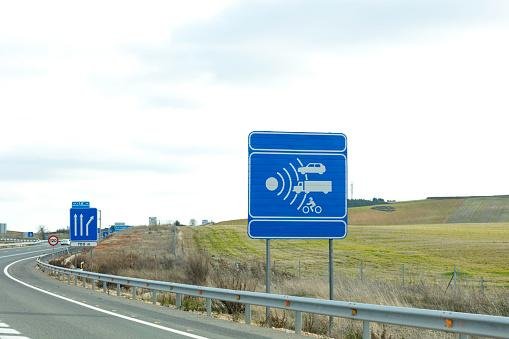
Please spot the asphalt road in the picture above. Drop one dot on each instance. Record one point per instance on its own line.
(34, 305)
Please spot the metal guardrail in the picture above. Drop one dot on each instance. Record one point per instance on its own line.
(18, 244)
(14, 240)
(464, 324)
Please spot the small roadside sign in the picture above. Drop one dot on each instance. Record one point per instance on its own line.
(53, 240)
(81, 204)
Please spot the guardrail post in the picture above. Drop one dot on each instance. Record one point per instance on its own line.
(154, 297)
(75, 280)
(247, 314)
(134, 292)
(118, 290)
(298, 322)
(105, 287)
(69, 279)
(366, 330)
(208, 306)
(464, 336)
(178, 300)
(93, 284)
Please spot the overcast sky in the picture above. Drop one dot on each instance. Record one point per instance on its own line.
(144, 108)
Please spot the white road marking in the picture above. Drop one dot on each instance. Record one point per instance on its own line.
(14, 255)
(164, 328)
(4, 329)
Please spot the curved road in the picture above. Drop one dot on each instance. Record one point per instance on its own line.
(33, 305)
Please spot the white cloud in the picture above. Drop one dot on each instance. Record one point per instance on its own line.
(104, 103)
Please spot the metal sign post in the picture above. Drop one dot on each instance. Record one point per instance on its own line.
(53, 241)
(267, 279)
(297, 190)
(331, 278)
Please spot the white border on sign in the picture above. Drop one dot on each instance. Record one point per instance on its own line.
(291, 216)
(293, 220)
(83, 243)
(296, 150)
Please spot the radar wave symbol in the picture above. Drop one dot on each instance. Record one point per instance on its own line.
(284, 182)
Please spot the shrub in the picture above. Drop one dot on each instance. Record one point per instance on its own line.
(197, 267)
(235, 277)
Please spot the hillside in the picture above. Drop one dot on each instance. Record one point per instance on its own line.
(461, 210)
(434, 211)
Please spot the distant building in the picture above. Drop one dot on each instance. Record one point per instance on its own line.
(204, 222)
(3, 228)
(152, 221)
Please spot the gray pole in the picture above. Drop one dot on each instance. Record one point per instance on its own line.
(100, 224)
(267, 278)
(175, 240)
(331, 279)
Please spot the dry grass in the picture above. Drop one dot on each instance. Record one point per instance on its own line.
(145, 252)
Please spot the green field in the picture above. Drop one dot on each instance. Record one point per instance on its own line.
(427, 250)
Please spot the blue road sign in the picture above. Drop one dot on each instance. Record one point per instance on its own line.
(80, 204)
(105, 234)
(83, 226)
(30, 234)
(118, 228)
(297, 185)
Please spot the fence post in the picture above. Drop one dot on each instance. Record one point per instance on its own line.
(482, 285)
(208, 306)
(299, 269)
(454, 278)
(247, 314)
(178, 300)
(366, 330)
(403, 275)
(118, 290)
(298, 322)
(361, 270)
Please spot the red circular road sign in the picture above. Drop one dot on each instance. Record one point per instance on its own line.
(52, 240)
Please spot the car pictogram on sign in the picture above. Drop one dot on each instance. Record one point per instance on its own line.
(313, 167)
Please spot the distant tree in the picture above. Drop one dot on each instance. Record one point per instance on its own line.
(42, 232)
(192, 222)
(365, 202)
(177, 223)
(62, 230)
